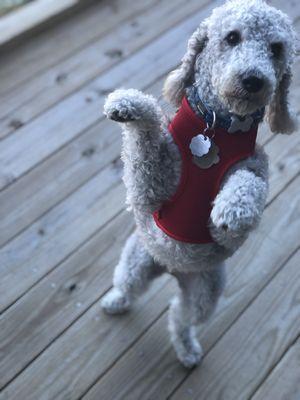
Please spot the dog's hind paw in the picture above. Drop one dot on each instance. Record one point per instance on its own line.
(189, 354)
(115, 302)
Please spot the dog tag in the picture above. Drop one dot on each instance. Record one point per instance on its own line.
(238, 124)
(200, 145)
(208, 160)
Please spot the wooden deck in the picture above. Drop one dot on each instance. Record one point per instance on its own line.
(63, 223)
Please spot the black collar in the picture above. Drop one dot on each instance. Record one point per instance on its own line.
(214, 120)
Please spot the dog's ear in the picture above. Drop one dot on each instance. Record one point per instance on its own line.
(279, 115)
(178, 79)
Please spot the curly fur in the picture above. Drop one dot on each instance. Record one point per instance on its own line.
(152, 163)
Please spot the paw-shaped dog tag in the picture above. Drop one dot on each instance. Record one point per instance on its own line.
(238, 124)
(200, 145)
(209, 159)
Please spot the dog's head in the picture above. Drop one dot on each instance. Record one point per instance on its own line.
(240, 58)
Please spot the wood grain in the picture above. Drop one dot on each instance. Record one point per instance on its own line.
(47, 310)
(244, 356)
(35, 96)
(32, 98)
(104, 338)
(73, 115)
(57, 178)
(32, 16)
(72, 34)
(283, 383)
(58, 233)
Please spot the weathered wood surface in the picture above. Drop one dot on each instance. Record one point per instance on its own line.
(58, 233)
(32, 16)
(283, 383)
(250, 348)
(64, 78)
(72, 35)
(63, 225)
(73, 115)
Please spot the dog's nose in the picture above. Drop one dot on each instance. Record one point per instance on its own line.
(253, 84)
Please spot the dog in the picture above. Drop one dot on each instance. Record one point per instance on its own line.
(198, 184)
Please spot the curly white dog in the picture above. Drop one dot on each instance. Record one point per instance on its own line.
(196, 200)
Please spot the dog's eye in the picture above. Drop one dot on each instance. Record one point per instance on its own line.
(233, 38)
(277, 49)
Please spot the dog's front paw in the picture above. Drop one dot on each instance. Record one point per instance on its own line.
(230, 226)
(238, 208)
(121, 106)
(238, 218)
(115, 302)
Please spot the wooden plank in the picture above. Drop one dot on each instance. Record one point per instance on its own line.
(158, 374)
(61, 298)
(253, 345)
(284, 155)
(32, 98)
(85, 357)
(30, 17)
(105, 334)
(56, 178)
(72, 35)
(70, 117)
(85, 27)
(58, 233)
(283, 382)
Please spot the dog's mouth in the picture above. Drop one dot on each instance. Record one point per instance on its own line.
(243, 103)
(238, 96)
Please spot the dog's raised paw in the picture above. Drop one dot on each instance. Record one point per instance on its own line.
(123, 105)
(121, 115)
(115, 302)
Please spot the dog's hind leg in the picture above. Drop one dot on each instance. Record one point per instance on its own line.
(132, 275)
(199, 293)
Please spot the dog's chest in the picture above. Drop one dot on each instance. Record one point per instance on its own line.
(205, 160)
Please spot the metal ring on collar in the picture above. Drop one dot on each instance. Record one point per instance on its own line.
(214, 120)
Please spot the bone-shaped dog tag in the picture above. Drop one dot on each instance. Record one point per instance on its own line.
(238, 124)
(200, 145)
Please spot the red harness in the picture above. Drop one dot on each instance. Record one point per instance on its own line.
(186, 215)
